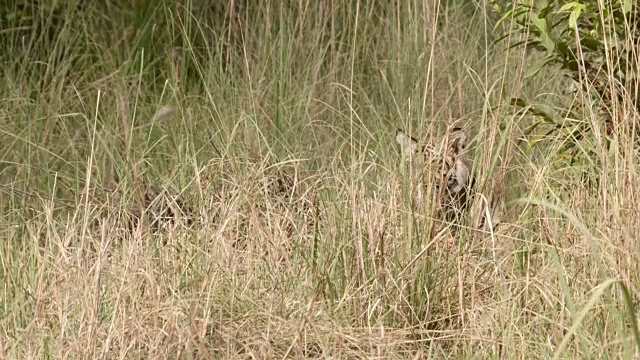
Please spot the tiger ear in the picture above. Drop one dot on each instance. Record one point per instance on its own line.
(458, 140)
(408, 145)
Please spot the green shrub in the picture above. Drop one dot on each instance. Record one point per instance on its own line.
(592, 43)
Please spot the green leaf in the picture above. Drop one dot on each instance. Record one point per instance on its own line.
(545, 37)
(527, 43)
(576, 9)
(506, 16)
(590, 43)
(529, 130)
(543, 111)
(573, 20)
(537, 66)
(571, 6)
(520, 14)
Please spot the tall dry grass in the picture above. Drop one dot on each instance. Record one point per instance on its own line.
(332, 264)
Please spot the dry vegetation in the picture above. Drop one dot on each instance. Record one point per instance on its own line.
(269, 216)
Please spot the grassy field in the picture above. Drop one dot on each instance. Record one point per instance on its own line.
(298, 238)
